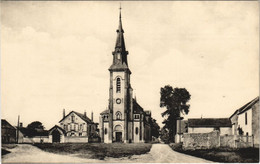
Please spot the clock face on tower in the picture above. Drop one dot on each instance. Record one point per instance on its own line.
(118, 101)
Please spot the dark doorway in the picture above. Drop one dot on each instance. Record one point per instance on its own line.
(118, 136)
(55, 136)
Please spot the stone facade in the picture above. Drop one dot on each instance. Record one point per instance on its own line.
(124, 120)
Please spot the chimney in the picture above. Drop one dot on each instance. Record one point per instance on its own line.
(21, 125)
(92, 116)
(85, 114)
(63, 113)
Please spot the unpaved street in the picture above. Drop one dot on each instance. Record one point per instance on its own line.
(159, 153)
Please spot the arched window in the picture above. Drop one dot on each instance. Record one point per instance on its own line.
(118, 115)
(136, 130)
(118, 85)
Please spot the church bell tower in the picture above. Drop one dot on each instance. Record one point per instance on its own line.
(120, 91)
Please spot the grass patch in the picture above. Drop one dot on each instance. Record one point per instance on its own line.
(96, 150)
(225, 155)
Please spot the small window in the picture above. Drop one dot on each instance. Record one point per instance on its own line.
(246, 118)
(136, 130)
(136, 116)
(118, 85)
(105, 130)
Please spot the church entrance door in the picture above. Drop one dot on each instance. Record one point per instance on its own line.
(118, 136)
(55, 136)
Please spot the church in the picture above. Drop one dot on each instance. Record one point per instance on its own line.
(124, 120)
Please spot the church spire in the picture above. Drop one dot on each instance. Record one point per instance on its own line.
(120, 42)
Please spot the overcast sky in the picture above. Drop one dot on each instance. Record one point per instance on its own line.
(56, 55)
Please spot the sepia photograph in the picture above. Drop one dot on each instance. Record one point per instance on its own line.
(129, 81)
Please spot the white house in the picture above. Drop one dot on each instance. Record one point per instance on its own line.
(245, 120)
(207, 125)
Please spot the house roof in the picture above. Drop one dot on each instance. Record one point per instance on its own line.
(209, 122)
(57, 127)
(6, 125)
(33, 132)
(82, 116)
(248, 106)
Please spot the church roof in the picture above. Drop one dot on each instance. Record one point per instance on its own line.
(105, 112)
(209, 122)
(82, 116)
(137, 108)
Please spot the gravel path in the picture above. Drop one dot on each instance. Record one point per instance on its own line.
(160, 153)
(31, 154)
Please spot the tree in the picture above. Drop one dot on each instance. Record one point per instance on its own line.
(155, 128)
(175, 100)
(35, 125)
(164, 135)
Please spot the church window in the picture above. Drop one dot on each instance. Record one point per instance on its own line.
(137, 116)
(136, 130)
(105, 130)
(118, 85)
(118, 115)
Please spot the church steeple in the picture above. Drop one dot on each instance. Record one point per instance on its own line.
(120, 42)
(120, 53)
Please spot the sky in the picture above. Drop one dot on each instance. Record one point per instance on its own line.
(55, 55)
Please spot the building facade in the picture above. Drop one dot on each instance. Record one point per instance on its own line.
(245, 121)
(74, 127)
(8, 132)
(124, 120)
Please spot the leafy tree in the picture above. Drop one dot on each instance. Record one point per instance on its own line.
(155, 128)
(175, 100)
(164, 135)
(35, 125)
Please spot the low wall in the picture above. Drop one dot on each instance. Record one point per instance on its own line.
(76, 139)
(214, 140)
(36, 139)
(227, 141)
(201, 140)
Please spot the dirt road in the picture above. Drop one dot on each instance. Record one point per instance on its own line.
(160, 153)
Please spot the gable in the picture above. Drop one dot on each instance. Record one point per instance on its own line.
(78, 118)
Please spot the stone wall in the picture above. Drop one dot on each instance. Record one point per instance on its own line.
(201, 140)
(227, 141)
(75, 139)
